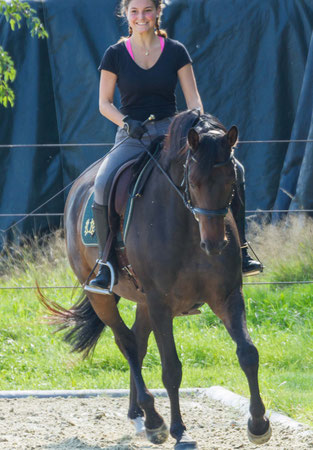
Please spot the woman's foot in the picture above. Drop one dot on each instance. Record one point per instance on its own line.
(104, 281)
(249, 265)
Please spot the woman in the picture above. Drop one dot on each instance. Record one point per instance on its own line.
(145, 67)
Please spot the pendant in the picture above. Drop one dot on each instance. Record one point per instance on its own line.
(147, 52)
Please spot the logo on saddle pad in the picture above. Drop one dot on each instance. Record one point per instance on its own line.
(88, 229)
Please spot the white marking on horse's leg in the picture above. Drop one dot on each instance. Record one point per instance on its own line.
(139, 424)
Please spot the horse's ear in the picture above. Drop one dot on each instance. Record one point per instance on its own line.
(193, 139)
(232, 135)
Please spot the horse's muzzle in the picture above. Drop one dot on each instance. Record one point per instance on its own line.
(213, 248)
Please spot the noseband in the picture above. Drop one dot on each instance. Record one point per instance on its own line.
(187, 197)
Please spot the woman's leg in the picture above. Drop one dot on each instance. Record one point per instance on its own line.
(238, 206)
(110, 165)
(130, 149)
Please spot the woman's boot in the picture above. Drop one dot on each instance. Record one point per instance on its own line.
(101, 283)
(249, 265)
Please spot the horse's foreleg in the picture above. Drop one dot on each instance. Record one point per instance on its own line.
(142, 330)
(234, 318)
(162, 324)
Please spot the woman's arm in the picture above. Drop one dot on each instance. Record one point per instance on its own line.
(106, 95)
(189, 87)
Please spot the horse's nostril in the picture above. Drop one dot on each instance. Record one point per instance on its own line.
(213, 249)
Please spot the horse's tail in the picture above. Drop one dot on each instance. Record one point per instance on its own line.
(81, 322)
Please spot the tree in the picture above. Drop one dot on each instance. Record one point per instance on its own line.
(14, 12)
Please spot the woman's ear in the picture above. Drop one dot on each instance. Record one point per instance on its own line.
(193, 139)
(232, 135)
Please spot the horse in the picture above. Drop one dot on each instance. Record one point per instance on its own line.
(184, 248)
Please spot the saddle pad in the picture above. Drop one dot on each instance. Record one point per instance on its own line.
(88, 229)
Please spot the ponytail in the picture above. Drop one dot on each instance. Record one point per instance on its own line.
(159, 31)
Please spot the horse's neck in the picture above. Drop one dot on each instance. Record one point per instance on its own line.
(178, 218)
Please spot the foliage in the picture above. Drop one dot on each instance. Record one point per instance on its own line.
(14, 12)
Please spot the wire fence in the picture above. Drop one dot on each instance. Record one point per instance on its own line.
(109, 144)
(248, 212)
(251, 283)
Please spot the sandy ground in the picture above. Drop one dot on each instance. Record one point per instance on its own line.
(101, 423)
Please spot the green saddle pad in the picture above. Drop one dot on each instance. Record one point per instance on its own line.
(88, 230)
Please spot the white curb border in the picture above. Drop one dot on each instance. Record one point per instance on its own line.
(216, 393)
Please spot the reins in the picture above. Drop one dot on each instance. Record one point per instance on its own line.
(186, 198)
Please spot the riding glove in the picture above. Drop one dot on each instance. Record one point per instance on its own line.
(134, 128)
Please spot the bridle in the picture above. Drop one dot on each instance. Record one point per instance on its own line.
(187, 197)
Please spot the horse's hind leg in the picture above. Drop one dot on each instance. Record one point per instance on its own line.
(127, 343)
(234, 318)
(142, 330)
(106, 309)
(162, 324)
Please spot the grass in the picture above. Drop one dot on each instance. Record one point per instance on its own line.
(279, 318)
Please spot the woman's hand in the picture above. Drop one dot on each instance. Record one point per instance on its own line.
(134, 128)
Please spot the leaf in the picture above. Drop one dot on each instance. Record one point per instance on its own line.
(12, 24)
(14, 12)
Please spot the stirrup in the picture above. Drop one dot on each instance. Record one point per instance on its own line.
(89, 288)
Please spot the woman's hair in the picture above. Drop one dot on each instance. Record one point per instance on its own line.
(157, 3)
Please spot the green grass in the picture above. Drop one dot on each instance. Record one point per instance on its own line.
(280, 321)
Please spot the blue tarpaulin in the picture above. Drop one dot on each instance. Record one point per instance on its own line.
(253, 63)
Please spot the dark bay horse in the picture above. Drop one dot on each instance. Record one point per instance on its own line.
(180, 262)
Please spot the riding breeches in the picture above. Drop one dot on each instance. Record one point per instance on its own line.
(120, 154)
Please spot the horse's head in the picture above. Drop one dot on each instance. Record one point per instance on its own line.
(200, 149)
(209, 177)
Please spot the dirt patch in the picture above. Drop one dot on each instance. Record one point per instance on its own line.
(100, 423)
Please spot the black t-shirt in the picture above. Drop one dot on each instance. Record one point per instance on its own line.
(147, 91)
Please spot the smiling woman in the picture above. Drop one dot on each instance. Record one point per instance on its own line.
(145, 67)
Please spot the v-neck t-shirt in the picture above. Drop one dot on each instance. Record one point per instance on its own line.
(146, 91)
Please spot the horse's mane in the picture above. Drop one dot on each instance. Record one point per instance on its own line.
(176, 145)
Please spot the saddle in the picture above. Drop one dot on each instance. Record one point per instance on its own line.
(128, 184)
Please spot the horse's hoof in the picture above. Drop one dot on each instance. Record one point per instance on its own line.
(139, 424)
(158, 435)
(185, 443)
(259, 439)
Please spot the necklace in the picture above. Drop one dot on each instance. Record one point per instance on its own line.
(147, 53)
